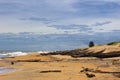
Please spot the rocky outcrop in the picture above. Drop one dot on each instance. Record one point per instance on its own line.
(104, 51)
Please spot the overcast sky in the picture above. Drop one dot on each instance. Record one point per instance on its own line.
(59, 16)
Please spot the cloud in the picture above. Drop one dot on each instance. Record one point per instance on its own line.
(80, 28)
(70, 22)
(38, 19)
(9, 8)
(71, 26)
(102, 23)
(97, 8)
(116, 31)
(59, 8)
(59, 16)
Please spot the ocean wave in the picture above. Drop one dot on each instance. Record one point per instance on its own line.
(12, 54)
(3, 55)
(43, 52)
(19, 53)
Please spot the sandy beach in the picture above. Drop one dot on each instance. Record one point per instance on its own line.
(58, 67)
(59, 39)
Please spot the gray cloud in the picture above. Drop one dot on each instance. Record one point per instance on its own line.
(102, 23)
(38, 19)
(71, 26)
(80, 28)
(10, 7)
(39, 15)
(97, 8)
(115, 30)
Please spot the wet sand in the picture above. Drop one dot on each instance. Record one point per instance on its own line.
(4, 70)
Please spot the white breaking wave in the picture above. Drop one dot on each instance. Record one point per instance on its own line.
(3, 55)
(12, 54)
(41, 52)
(16, 54)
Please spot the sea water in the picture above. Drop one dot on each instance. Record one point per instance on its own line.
(4, 70)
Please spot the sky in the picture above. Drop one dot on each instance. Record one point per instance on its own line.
(57, 24)
(59, 16)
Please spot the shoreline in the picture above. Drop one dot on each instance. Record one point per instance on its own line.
(6, 70)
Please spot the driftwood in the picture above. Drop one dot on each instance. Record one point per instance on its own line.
(86, 70)
(48, 71)
(98, 71)
(34, 60)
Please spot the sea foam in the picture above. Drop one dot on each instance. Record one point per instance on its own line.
(43, 52)
(12, 54)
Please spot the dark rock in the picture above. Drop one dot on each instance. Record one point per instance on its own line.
(90, 75)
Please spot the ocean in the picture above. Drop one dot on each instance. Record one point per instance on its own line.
(31, 42)
(16, 44)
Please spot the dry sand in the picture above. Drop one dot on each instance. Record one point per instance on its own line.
(70, 68)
